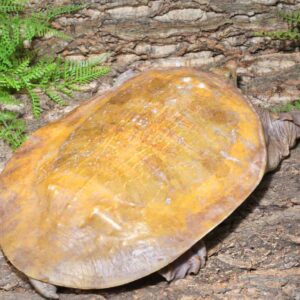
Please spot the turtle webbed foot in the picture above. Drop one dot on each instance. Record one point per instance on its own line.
(189, 263)
(47, 290)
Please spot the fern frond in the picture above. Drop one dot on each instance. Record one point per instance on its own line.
(22, 70)
(33, 27)
(292, 34)
(22, 66)
(38, 71)
(88, 74)
(50, 67)
(91, 62)
(51, 32)
(11, 6)
(9, 82)
(12, 129)
(8, 45)
(292, 18)
(55, 97)
(7, 98)
(72, 87)
(6, 116)
(35, 103)
(65, 90)
(50, 14)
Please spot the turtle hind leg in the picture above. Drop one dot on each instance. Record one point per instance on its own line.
(189, 263)
(47, 290)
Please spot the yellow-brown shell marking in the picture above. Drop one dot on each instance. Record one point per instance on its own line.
(127, 182)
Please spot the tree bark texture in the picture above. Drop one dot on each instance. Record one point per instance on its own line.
(142, 34)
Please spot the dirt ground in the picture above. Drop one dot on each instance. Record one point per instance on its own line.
(254, 254)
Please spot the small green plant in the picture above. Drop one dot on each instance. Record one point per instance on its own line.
(293, 20)
(287, 107)
(12, 129)
(23, 71)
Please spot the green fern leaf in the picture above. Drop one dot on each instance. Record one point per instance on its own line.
(55, 97)
(72, 87)
(6, 116)
(12, 129)
(292, 18)
(22, 66)
(91, 62)
(14, 138)
(86, 75)
(40, 73)
(22, 70)
(11, 6)
(51, 32)
(9, 82)
(7, 98)
(35, 103)
(65, 90)
(50, 14)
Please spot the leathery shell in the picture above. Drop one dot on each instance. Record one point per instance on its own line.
(127, 182)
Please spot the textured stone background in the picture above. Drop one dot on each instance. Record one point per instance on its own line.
(255, 253)
(155, 33)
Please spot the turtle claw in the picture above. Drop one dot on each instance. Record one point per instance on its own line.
(189, 263)
(47, 290)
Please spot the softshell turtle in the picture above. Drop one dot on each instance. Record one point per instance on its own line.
(128, 183)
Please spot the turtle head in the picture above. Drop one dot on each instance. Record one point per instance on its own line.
(281, 132)
(227, 71)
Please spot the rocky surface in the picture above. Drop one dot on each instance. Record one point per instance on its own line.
(143, 34)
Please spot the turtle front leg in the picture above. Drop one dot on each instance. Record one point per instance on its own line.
(189, 263)
(47, 290)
